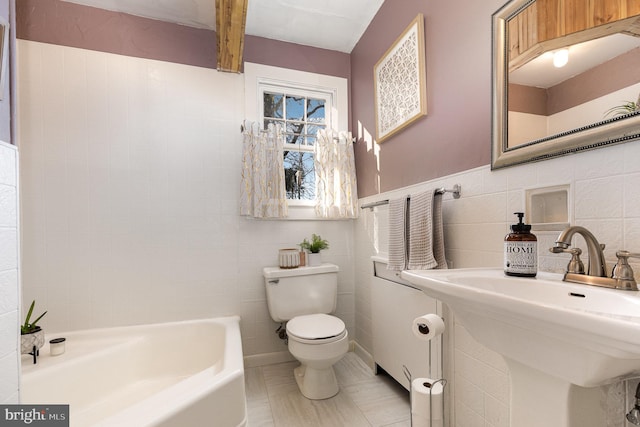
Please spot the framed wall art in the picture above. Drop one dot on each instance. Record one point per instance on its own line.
(399, 79)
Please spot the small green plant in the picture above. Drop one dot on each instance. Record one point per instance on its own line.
(28, 328)
(622, 110)
(317, 244)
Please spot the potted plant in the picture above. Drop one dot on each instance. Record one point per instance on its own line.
(31, 335)
(314, 247)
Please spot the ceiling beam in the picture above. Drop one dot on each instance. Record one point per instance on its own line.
(231, 17)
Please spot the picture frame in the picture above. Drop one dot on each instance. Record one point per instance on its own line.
(4, 55)
(400, 87)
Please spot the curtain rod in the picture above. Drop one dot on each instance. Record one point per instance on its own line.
(335, 138)
(455, 190)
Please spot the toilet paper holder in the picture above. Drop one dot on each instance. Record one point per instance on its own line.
(421, 327)
(430, 385)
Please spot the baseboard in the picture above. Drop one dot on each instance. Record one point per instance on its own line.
(363, 354)
(264, 359)
(267, 359)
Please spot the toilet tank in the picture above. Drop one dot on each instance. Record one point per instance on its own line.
(304, 290)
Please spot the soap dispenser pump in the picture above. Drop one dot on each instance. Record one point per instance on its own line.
(520, 250)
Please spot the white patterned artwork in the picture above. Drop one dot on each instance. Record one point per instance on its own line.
(399, 82)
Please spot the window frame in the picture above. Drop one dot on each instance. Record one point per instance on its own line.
(257, 74)
(265, 86)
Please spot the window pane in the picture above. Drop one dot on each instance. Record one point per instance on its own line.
(295, 133)
(274, 122)
(295, 108)
(299, 175)
(315, 110)
(312, 131)
(273, 105)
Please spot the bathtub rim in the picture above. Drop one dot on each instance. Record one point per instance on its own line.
(162, 405)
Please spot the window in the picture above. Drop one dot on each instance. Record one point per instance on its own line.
(301, 113)
(261, 78)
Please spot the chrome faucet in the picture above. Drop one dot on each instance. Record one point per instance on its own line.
(596, 275)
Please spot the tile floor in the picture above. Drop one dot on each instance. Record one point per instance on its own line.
(365, 399)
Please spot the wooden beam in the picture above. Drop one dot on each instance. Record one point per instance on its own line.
(231, 17)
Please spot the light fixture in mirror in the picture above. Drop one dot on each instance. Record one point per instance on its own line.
(540, 111)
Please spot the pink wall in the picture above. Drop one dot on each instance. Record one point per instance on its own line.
(5, 103)
(456, 133)
(70, 24)
(618, 73)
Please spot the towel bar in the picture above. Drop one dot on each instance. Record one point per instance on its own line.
(455, 190)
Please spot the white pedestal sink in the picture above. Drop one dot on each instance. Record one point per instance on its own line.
(554, 336)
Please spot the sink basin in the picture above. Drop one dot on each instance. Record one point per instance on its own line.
(586, 335)
(553, 334)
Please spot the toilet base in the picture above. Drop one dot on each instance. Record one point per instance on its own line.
(316, 384)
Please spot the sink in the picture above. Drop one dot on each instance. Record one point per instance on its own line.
(553, 335)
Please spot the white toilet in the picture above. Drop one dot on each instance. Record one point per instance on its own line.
(303, 297)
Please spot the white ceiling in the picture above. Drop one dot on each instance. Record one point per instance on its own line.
(329, 24)
(541, 73)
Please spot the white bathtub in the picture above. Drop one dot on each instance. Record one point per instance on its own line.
(176, 374)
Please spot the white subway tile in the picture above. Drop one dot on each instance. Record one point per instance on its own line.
(470, 395)
(8, 206)
(598, 163)
(496, 383)
(600, 198)
(466, 417)
(630, 157)
(556, 171)
(8, 249)
(632, 235)
(8, 166)
(632, 195)
(8, 291)
(8, 376)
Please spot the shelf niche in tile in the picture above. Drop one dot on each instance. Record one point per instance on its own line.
(547, 209)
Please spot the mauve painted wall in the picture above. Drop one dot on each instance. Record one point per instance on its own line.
(70, 24)
(618, 73)
(456, 133)
(5, 104)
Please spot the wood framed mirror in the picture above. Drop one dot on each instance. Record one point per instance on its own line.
(540, 111)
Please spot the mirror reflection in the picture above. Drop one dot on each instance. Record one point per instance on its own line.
(573, 86)
(566, 77)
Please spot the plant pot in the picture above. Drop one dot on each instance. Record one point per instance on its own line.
(31, 341)
(314, 260)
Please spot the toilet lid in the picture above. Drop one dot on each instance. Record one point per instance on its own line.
(315, 326)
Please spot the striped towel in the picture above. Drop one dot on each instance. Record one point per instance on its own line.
(397, 234)
(426, 236)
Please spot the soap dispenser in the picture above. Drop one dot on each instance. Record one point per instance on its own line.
(520, 250)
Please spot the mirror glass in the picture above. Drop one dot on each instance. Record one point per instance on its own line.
(589, 99)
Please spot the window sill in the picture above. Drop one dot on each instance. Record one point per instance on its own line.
(302, 213)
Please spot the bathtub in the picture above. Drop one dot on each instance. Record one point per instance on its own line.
(172, 374)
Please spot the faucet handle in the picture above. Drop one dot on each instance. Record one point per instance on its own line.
(575, 266)
(623, 272)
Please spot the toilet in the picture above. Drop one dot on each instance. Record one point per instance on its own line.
(304, 298)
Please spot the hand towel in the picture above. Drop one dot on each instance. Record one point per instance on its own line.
(397, 234)
(421, 232)
(438, 232)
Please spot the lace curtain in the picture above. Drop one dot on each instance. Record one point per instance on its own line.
(262, 193)
(335, 175)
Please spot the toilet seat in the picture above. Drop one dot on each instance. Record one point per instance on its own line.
(316, 329)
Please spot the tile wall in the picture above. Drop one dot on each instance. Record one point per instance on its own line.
(604, 197)
(9, 274)
(130, 172)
